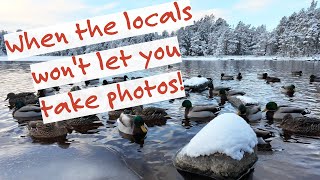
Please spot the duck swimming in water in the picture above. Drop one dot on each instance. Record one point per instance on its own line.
(239, 76)
(225, 77)
(296, 73)
(25, 98)
(199, 112)
(248, 108)
(25, 113)
(152, 116)
(38, 130)
(314, 78)
(275, 112)
(133, 126)
(120, 79)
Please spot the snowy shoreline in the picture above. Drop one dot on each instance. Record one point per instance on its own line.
(215, 58)
(189, 58)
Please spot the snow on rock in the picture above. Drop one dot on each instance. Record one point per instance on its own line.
(227, 134)
(195, 81)
(247, 100)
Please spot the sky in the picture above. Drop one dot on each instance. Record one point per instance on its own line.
(27, 14)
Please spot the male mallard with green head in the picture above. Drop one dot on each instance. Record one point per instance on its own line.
(133, 126)
(250, 113)
(275, 112)
(199, 112)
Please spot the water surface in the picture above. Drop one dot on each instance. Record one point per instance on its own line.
(104, 154)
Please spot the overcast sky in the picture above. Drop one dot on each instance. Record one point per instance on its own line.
(26, 14)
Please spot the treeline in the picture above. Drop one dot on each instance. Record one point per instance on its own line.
(296, 35)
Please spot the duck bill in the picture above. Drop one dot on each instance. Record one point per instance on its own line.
(265, 110)
(238, 113)
(144, 129)
(6, 99)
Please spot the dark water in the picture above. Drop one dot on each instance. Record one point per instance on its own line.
(96, 155)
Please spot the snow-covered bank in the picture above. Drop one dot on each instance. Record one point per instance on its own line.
(34, 58)
(215, 58)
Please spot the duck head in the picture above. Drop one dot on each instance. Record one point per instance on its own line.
(57, 88)
(242, 109)
(105, 82)
(312, 78)
(264, 75)
(87, 83)
(210, 85)
(292, 87)
(187, 104)
(222, 74)
(139, 123)
(271, 106)
(125, 77)
(10, 95)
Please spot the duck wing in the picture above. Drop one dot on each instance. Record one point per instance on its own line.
(212, 108)
(153, 110)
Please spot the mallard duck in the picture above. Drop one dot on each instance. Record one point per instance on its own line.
(214, 91)
(301, 125)
(248, 108)
(272, 79)
(84, 124)
(92, 82)
(296, 73)
(225, 77)
(251, 113)
(38, 130)
(263, 76)
(25, 98)
(275, 112)
(314, 78)
(199, 112)
(290, 89)
(46, 92)
(75, 88)
(239, 76)
(84, 121)
(113, 115)
(132, 125)
(152, 116)
(105, 82)
(120, 79)
(28, 112)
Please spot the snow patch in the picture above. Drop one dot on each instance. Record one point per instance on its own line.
(247, 100)
(195, 81)
(227, 134)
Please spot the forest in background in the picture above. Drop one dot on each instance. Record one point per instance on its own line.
(296, 35)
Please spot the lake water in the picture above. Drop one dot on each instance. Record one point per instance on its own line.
(104, 154)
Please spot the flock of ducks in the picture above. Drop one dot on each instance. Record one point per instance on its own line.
(133, 122)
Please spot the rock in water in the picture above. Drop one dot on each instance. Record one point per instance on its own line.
(224, 148)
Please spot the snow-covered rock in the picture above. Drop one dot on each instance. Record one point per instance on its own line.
(196, 84)
(224, 148)
(247, 100)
